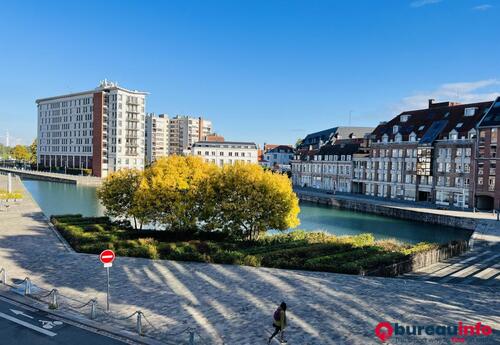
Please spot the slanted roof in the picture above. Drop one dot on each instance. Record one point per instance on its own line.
(434, 123)
(339, 149)
(281, 149)
(492, 117)
(327, 135)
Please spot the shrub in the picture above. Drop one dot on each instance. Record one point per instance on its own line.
(142, 248)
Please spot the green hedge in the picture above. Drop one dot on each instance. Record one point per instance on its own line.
(317, 251)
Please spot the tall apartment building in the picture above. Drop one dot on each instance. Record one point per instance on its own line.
(100, 129)
(157, 136)
(225, 152)
(424, 155)
(185, 131)
(487, 191)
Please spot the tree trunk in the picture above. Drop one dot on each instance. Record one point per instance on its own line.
(135, 224)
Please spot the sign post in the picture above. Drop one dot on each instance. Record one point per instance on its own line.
(107, 256)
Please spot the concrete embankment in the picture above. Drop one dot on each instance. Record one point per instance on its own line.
(53, 177)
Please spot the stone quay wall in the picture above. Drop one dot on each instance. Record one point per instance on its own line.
(421, 260)
(370, 206)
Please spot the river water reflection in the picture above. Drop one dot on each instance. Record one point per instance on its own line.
(61, 198)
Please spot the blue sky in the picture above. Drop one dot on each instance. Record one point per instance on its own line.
(265, 71)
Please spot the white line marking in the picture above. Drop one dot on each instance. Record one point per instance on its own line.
(18, 312)
(28, 325)
(107, 256)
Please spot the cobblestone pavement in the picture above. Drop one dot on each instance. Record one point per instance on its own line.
(234, 304)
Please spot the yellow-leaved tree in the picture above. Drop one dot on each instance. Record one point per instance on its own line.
(170, 191)
(119, 195)
(245, 201)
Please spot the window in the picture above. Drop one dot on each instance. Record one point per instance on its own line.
(470, 111)
(480, 181)
(405, 117)
(395, 129)
(493, 135)
(459, 125)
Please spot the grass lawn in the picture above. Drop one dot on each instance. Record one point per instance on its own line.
(296, 250)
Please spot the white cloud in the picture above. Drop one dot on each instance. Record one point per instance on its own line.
(420, 3)
(483, 7)
(463, 92)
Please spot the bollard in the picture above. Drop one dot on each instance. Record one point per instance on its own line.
(191, 337)
(54, 304)
(139, 322)
(4, 276)
(498, 216)
(92, 309)
(27, 286)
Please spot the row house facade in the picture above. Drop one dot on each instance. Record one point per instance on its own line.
(487, 191)
(424, 155)
(329, 167)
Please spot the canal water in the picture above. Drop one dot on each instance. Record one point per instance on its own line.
(60, 198)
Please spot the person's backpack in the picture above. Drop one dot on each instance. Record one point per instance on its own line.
(277, 314)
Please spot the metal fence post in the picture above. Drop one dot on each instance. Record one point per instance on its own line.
(92, 309)
(191, 337)
(4, 276)
(54, 304)
(27, 286)
(139, 322)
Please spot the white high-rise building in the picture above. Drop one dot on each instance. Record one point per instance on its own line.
(185, 131)
(101, 129)
(157, 136)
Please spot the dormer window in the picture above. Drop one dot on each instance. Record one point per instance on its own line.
(398, 138)
(413, 136)
(421, 127)
(385, 138)
(335, 157)
(472, 134)
(453, 135)
(404, 118)
(395, 129)
(459, 125)
(470, 111)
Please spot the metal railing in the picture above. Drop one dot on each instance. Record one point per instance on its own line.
(56, 301)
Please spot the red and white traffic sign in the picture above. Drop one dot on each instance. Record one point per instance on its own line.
(107, 256)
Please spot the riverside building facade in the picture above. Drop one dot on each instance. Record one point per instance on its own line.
(102, 130)
(487, 191)
(424, 155)
(329, 168)
(324, 159)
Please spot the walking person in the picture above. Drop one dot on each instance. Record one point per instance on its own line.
(279, 322)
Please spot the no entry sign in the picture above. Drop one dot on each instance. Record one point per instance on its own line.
(107, 256)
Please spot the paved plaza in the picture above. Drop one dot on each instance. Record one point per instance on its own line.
(234, 304)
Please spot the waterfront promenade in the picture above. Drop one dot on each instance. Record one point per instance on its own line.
(234, 304)
(55, 177)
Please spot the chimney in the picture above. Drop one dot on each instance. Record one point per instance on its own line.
(431, 100)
